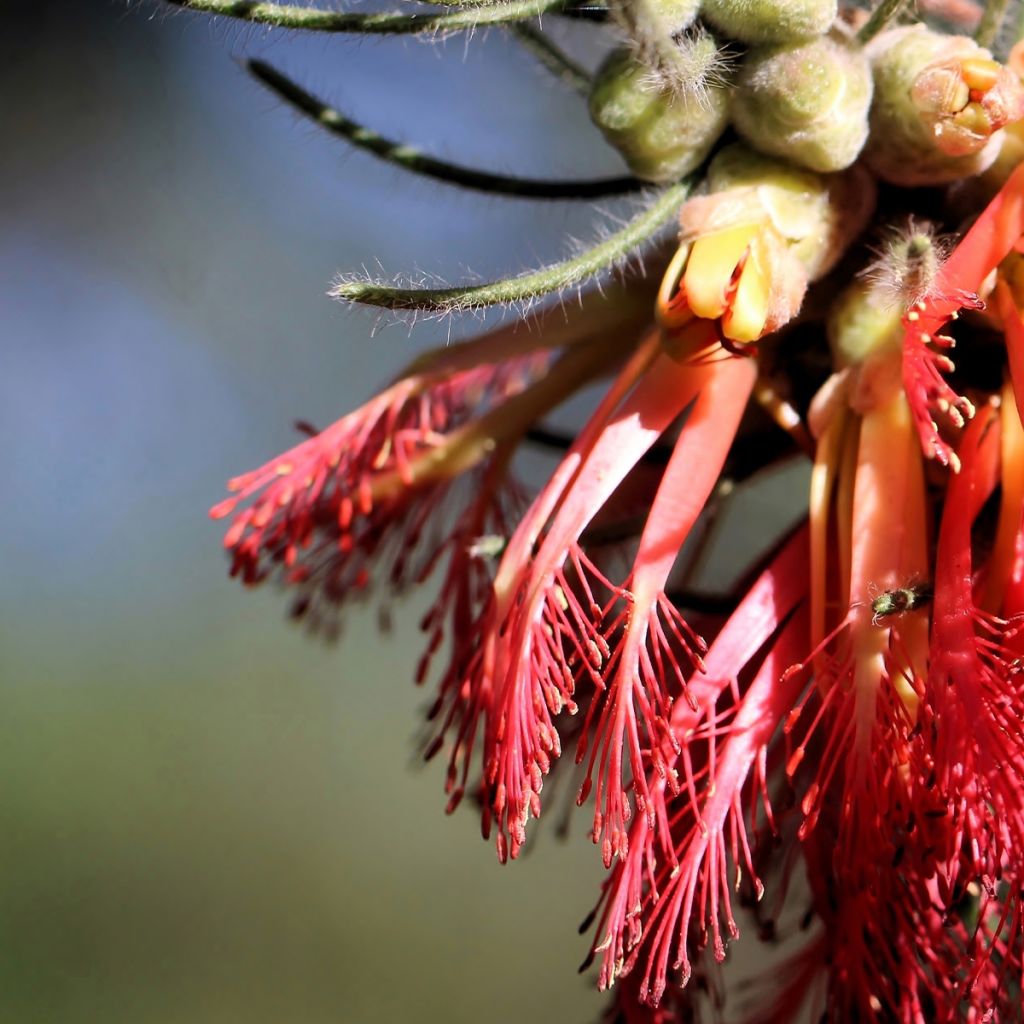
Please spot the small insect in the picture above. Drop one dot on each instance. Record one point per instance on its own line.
(900, 600)
(490, 545)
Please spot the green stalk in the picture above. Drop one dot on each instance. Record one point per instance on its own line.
(466, 16)
(528, 286)
(562, 66)
(418, 162)
(991, 21)
(886, 12)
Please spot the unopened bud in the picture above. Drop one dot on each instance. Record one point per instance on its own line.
(907, 265)
(649, 22)
(864, 322)
(808, 103)
(940, 102)
(978, 192)
(661, 134)
(865, 333)
(677, 60)
(760, 22)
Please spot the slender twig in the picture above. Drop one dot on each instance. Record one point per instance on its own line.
(586, 12)
(560, 64)
(383, 23)
(991, 21)
(884, 13)
(421, 163)
(527, 286)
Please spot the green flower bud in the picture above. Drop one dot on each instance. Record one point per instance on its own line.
(650, 21)
(661, 134)
(656, 31)
(863, 323)
(760, 22)
(808, 103)
(940, 102)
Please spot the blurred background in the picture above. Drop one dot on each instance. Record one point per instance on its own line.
(205, 815)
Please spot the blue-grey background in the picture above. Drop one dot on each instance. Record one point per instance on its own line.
(204, 816)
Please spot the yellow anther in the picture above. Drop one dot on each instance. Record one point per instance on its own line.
(713, 261)
(979, 73)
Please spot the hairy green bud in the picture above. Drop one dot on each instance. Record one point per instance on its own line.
(661, 134)
(808, 103)
(657, 29)
(862, 324)
(761, 22)
(940, 102)
(649, 22)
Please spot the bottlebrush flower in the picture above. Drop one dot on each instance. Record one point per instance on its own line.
(545, 625)
(364, 496)
(844, 762)
(991, 238)
(680, 849)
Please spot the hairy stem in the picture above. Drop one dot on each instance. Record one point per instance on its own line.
(560, 64)
(527, 286)
(418, 162)
(467, 16)
(881, 16)
(991, 21)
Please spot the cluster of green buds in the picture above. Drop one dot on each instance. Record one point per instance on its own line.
(825, 107)
(919, 106)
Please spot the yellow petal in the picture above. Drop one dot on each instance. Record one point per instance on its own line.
(745, 320)
(712, 263)
(979, 73)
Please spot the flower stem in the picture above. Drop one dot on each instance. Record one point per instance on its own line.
(418, 162)
(528, 286)
(1011, 502)
(380, 23)
(881, 16)
(622, 309)
(991, 21)
(560, 64)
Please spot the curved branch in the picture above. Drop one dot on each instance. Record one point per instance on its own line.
(528, 286)
(383, 23)
(421, 163)
(560, 64)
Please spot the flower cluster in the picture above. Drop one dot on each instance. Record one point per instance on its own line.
(833, 755)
